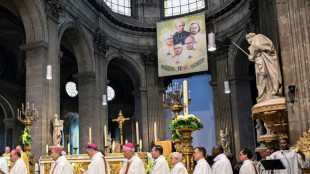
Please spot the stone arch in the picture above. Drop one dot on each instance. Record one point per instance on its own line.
(33, 19)
(130, 66)
(7, 107)
(82, 46)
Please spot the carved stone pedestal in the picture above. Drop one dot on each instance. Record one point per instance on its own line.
(274, 114)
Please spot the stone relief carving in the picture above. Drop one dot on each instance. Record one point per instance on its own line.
(57, 130)
(225, 140)
(55, 8)
(101, 42)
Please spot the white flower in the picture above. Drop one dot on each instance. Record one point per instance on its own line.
(191, 116)
(180, 117)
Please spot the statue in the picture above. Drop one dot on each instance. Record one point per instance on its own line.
(259, 129)
(57, 130)
(225, 141)
(267, 68)
(109, 141)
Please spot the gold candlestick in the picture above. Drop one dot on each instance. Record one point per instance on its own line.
(29, 117)
(75, 150)
(106, 149)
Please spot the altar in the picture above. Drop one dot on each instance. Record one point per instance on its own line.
(115, 161)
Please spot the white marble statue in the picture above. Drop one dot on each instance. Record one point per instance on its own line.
(57, 130)
(267, 68)
(225, 141)
(259, 129)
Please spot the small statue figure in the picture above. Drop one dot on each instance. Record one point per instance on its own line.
(267, 69)
(259, 129)
(57, 130)
(269, 132)
(225, 141)
(109, 141)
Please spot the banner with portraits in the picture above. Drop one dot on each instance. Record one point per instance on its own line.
(182, 45)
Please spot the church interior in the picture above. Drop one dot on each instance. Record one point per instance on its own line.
(90, 61)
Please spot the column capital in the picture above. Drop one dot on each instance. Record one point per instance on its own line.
(35, 47)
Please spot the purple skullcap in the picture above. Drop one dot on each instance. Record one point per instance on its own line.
(58, 149)
(93, 146)
(129, 145)
(17, 150)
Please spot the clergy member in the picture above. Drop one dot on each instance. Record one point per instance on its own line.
(175, 160)
(3, 166)
(7, 152)
(248, 166)
(202, 165)
(61, 164)
(19, 164)
(24, 157)
(133, 164)
(99, 164)
(160, 164)
(221, 162)
(293, 160)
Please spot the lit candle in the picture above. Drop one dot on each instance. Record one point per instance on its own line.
(69, 148)
(74, 137)
(137, 132)
(37, 113)
(189, 94)
(185, 99)
(155, 132)
(105, 136)
(163, 97)
(46, 149)
(140, 145)
(22, 106)
(126, 141)
(27, 105)
(89, 135)
(18, 112)
(113, 146)
(32, 106)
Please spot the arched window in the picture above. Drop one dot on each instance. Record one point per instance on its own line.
(178, 7)
(120, 6)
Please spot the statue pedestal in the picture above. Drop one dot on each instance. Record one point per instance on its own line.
(274, 114)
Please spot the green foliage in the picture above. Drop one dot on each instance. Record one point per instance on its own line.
(149, 165)
(26, 138)
(181, 121)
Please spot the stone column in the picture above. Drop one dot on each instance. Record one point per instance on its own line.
(87, 107)
(293, 22)
(36, 92)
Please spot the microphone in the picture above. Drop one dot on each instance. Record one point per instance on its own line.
(286, 160)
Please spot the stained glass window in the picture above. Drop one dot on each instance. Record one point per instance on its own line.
(71, 89)
(178, 7)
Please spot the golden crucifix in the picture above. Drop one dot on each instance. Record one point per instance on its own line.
(121, 119)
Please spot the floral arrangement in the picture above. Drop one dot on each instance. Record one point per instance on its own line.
(149, 165)
(190, 121)
(26, 137)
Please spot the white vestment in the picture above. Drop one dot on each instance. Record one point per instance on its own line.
(247, 167)
(179, 168)
(97, 165)
(136, 166)
(202, 167)
(62, 166)
(261, 170)
(3, 165)
(294, 159)
(160, 166)
(19, 167)
(221, 165)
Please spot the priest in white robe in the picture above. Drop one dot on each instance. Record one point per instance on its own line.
(61, 164)
(293, 160)
(99, 164)
(19, 164)
(3, 165)
(248, 166)
(160, 165)
(133, 164)
(221, 162)
(175, 160)
(202, 165)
